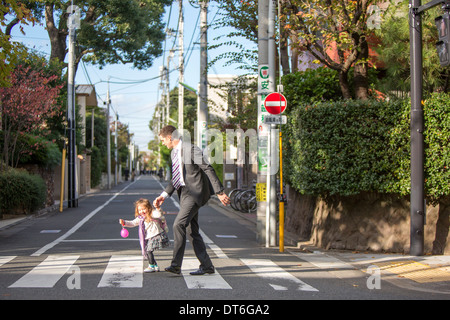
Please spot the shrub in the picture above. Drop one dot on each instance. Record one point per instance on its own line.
(351, 146)
(341, 147)
(437, 145)
(21, 192)
(312, 85)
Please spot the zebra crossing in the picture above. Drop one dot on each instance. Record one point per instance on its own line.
(126, 271)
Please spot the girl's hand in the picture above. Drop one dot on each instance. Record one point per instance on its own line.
(121, 222)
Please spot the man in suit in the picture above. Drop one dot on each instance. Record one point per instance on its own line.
(195, 181)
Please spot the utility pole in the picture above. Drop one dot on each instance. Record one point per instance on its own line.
(262, 129)
(417, 152)
(418, 212)
(202, 112)
(181, 68)
(73, 23)
(168, 90)
(108, 139)
(273, 133)
(116, 158)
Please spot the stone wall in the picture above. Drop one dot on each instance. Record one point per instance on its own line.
(367, 222)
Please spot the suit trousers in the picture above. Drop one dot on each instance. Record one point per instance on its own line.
(187, 222)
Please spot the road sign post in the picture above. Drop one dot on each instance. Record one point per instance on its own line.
(275, 104)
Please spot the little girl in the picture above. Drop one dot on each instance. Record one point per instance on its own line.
(152, 230)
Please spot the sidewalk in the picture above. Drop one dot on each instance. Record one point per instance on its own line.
(424, 273)
(7, 223)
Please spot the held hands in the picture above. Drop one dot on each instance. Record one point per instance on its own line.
(122, 222)
(158, 202)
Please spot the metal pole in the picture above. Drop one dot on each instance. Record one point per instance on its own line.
(417, 140)
(63, 169)
(72, 200)
(181, 67)
(281, 203)
(263, 8)
(273, 136)
(108, 140)
(116, 158)
(203, 93)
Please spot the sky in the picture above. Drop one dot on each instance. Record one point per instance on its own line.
(135, 102)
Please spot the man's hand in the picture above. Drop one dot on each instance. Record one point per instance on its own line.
(224, 198)
(158, 201)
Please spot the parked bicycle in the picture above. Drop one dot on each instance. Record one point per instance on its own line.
(243, 200)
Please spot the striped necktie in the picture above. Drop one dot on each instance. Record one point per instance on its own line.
(176, 172)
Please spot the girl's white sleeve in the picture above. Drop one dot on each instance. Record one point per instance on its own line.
(131, 223)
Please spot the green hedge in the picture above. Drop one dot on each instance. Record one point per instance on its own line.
(350, 146)
(21, 192)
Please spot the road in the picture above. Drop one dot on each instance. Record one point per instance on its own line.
(79, 254)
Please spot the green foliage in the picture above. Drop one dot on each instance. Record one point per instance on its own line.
(42, 152)
(348, 147)
(312, 85)
(118, 31)
(97, 166)
(394, 50)
(242, 17)
(21, 192)
(340, 147)
(437, 145)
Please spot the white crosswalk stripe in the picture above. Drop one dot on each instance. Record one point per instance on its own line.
(271, 271)
(123, 272)
(208, 281)
(6, 259)
(47, 273)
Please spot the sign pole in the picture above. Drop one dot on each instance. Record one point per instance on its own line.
(281, 203)
(417, 127)
(263, 91)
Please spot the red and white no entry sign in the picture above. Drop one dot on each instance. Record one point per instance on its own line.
(275, 103)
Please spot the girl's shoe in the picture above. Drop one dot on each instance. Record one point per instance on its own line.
(151, 268)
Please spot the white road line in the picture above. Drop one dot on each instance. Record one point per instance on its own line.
(6, 259)
(207, 281)
(123, 271)
(219, 253)
(338, 268)
(78, 225)
(269, 270)
(323, 261)
(47, 273)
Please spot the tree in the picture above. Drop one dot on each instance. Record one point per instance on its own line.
(26, 105)
(112, 31)
(325, 27)
(11, 52)
(395, 54)
(242, 16)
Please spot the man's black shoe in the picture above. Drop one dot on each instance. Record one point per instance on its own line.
(172, 269)
(201, 271)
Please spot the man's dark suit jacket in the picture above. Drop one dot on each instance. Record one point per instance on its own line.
(199, 176)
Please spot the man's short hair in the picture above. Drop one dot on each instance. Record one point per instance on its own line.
(167, 131)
